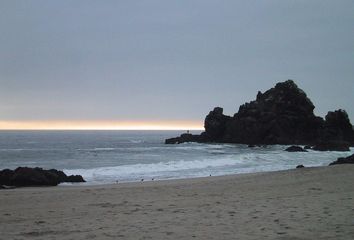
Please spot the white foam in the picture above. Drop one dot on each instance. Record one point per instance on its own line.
(96, 149)
(245, 161)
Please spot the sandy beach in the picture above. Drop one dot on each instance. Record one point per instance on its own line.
(310, 203)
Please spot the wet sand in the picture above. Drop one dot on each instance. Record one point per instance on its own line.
(310, 203)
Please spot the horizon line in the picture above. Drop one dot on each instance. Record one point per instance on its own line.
(100, 125)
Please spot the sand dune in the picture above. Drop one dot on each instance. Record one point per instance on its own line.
(310, 203)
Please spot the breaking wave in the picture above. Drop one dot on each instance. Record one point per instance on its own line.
(211, 164)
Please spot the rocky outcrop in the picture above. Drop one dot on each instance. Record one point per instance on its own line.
(336, 133)
(295, 149)
(186, 137)
(25, 176)
(215, 124)
(341, 146)
(281, 115)
(337, 127)
(346, 160)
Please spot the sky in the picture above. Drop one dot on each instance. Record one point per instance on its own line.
(167, 62)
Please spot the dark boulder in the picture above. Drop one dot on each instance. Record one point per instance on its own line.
(74, 178)
(344, 160)
(300, 166)
(62, 177)
(295, 149)
(25, 176)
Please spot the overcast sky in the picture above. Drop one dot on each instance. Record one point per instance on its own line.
(169, 60)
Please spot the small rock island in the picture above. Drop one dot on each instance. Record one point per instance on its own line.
(281, 115)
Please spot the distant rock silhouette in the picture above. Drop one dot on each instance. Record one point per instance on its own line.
(186, 137)
(281, 115)
(25, 176)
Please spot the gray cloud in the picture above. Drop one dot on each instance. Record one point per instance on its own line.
(161, 59)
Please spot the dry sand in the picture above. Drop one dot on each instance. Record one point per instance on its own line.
(310, 203)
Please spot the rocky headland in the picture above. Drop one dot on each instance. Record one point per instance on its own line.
(281, 115)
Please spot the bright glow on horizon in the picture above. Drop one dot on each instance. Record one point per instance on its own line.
(101, 125)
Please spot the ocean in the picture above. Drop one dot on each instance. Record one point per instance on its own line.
(127, 156)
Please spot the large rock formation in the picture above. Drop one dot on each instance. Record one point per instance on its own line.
(25, 176)
(281, 115)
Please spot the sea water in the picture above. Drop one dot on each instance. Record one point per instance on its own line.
(124, 156)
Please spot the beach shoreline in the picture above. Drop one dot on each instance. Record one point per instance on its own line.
(308, 203)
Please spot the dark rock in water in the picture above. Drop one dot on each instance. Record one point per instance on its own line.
(346, 160)
(307, 147)
(74, 178)
(300, 166)
(281, 115)
(25, 176)
(295, 149)
(172, 140)
(62, 177)
(251, 146)
(187, 137)
(332, 146)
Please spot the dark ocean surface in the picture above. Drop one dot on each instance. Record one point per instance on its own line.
(110, 156)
